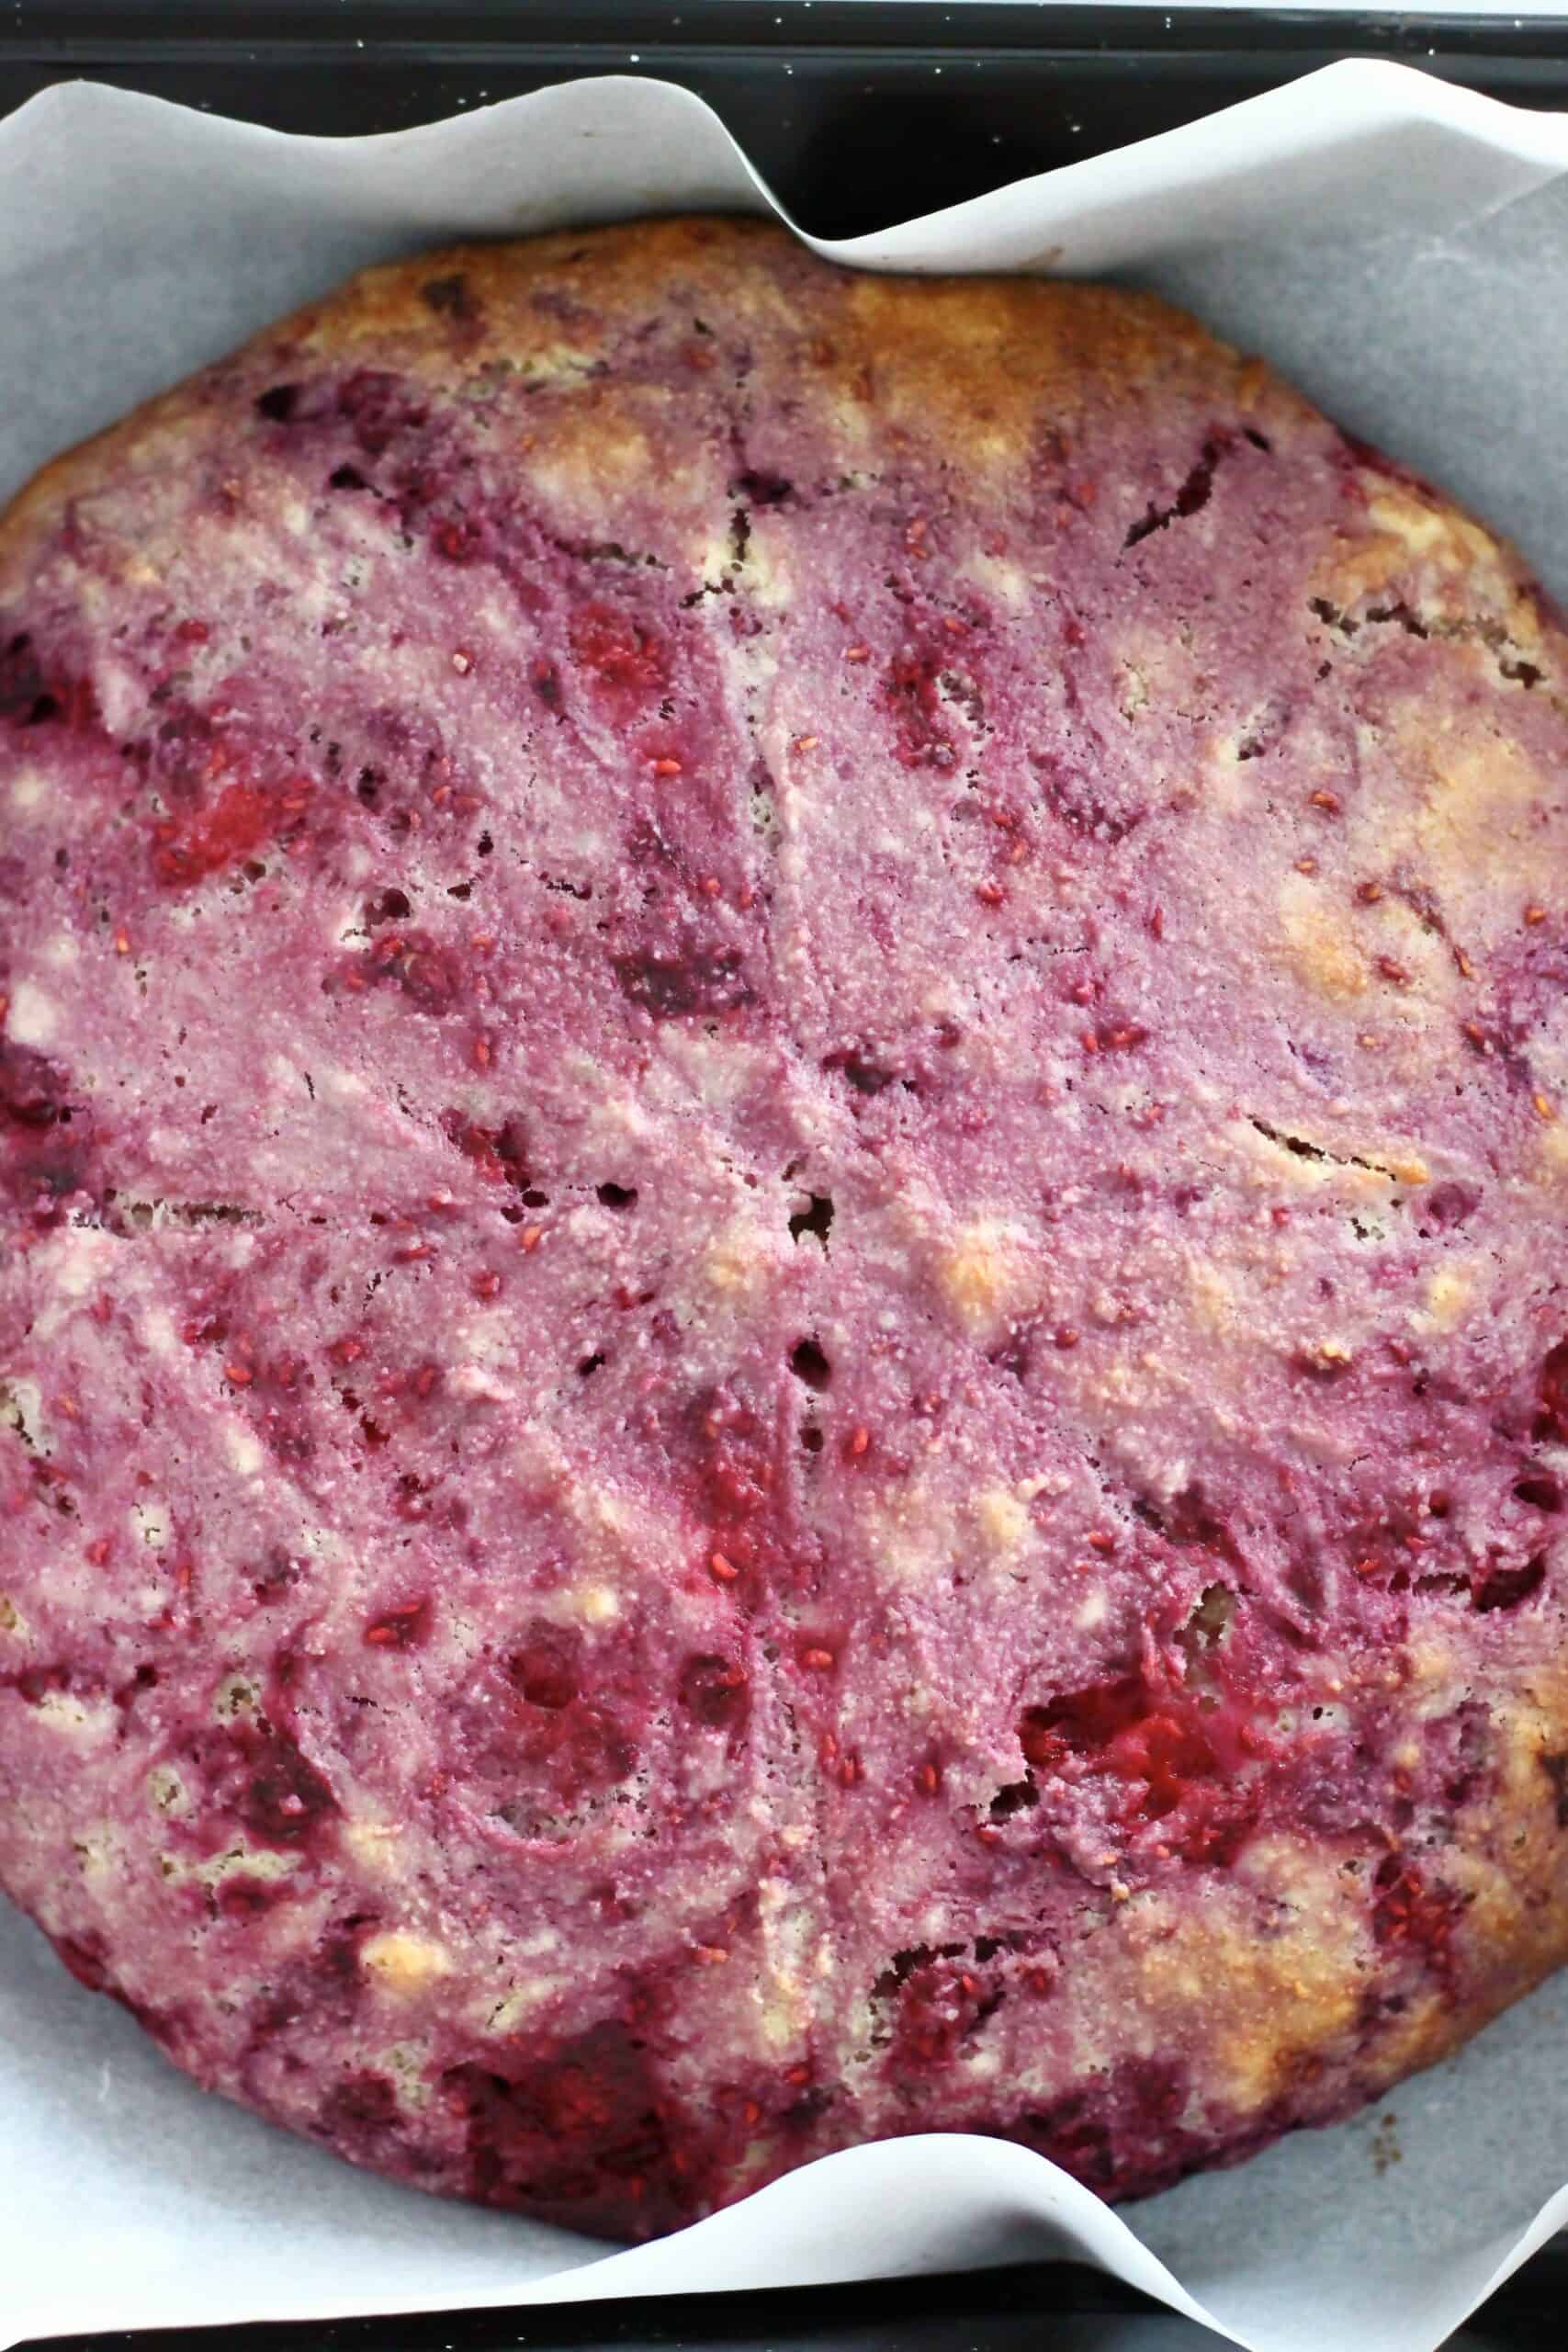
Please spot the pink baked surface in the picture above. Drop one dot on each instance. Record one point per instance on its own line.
(782, 1217)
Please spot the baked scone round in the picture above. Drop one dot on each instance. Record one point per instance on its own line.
(785, 1144)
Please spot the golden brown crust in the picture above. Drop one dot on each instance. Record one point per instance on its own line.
(960, 363)
(962, 347)
(957, 361)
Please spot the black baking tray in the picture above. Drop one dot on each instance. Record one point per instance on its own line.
(859, 113)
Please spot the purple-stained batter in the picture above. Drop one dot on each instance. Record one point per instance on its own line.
(783, 1162)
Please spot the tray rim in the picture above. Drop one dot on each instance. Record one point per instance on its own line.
(64, 31)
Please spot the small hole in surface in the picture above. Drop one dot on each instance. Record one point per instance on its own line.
(818, 1219)
(618, 1197)
(809, 1364)
(764, 489)
(1509, 1587)
(277, 403)
(589, 1365)
(811, 1438)
(1210, 1617)
(484, 844)
(1017, 1797)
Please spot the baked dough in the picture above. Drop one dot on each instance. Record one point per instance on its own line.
(783, 1172)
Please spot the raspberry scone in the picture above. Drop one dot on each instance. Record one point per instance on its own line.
(784, 1153)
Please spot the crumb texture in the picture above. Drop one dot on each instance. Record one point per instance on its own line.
(782, 1177)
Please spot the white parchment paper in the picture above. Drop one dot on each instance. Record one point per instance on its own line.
(1399, 247)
